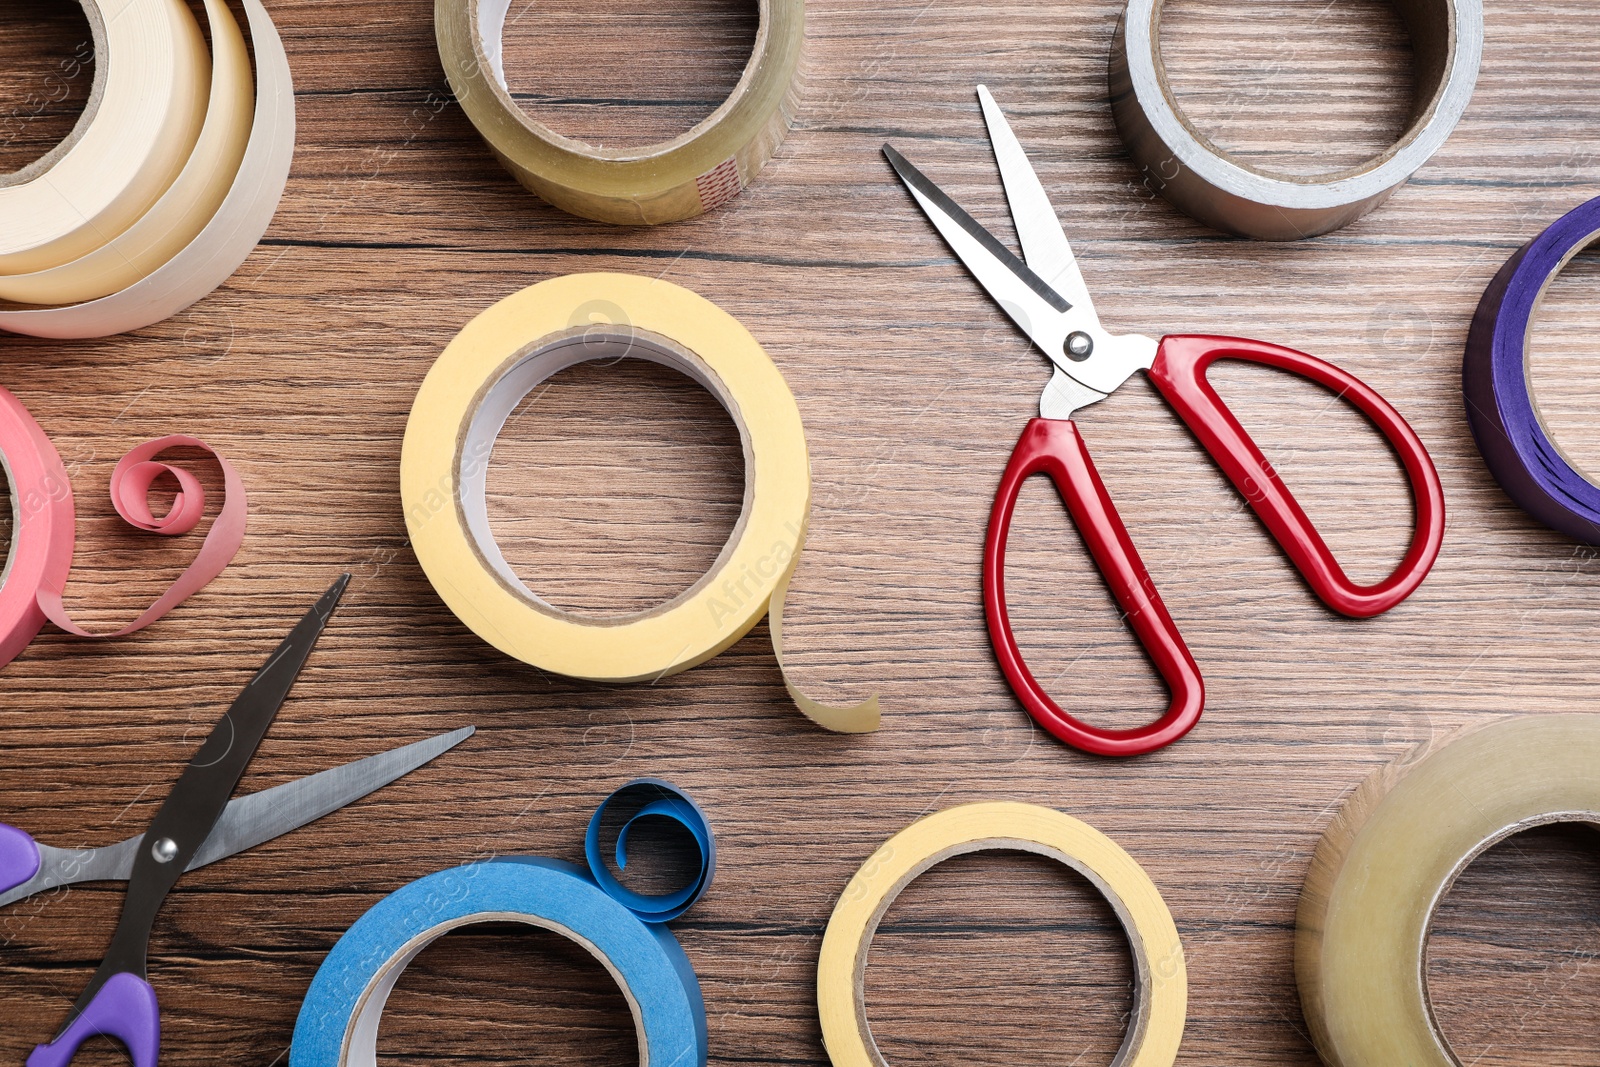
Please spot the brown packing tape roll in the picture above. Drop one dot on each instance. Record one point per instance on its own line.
(676, 179)
(1391, 855)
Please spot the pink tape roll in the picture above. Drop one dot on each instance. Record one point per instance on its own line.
(44, 527)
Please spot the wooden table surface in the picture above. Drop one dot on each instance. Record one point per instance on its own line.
(616, 487)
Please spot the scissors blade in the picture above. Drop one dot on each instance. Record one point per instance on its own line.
(1044, 243)
(1040, 311)
(247, 821)
(201, 794)
(258, 818)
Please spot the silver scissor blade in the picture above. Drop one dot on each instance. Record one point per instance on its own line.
(247, 821)
(258, 818)
(1040, 311)
(64, 866)
(1044, 242)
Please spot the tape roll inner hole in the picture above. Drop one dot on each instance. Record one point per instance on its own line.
(519, 376)
(1429, 26)
(1586, 819)
(362, 1033)
(1138, 1016)
(1573, 411)
(745, 35)
(60, 77)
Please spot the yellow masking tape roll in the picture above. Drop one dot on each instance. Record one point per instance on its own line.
(480, 379)
(1160, 983)
(677, 179)
(152, 73)
(1391, 855)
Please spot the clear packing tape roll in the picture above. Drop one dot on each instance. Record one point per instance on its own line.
(1391, 855)
(508, 351)
(1155, 1028)
(676, 179)
(165, 184)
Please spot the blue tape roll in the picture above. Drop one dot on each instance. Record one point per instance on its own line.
(339, 1019)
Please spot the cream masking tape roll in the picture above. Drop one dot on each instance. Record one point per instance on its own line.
(481, 377)
(1391, 855)
(1222, 191)
(339, 1019)
(43, 526)
(676, 179)
(1160, 980)
(151, 75)
(186, 206)
(220, 198)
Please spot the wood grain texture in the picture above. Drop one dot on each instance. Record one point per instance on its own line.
(614, 486)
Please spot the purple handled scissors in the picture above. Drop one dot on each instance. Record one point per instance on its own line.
(196, 825)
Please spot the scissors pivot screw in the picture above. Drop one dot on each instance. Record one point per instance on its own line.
(164, 850)
(1080, 346)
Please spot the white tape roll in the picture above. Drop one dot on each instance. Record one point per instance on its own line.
(166, 184)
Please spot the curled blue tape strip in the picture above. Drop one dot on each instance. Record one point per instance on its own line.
(651, 798)
(339, 1018)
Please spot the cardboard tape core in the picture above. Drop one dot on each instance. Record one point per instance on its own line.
(1390, 857)
(91, 107)
(1222, 191)
(361, 1042)
(1155, 1027)
(524, 373)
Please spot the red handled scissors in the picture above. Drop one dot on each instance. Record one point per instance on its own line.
(1046, 297)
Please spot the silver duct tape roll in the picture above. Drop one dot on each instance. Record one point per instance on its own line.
(1191, 172)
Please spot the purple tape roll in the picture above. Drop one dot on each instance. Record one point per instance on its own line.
(1494, 382)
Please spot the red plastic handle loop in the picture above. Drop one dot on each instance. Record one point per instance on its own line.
(1054, 447)
(1179, 372)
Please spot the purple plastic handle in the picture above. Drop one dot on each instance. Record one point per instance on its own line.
(124, 1009)
(19, 857)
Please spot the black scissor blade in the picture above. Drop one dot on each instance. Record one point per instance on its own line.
(202, 792)
(216, 769)
(921, 184)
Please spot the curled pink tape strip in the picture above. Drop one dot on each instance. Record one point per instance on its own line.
(43, 528)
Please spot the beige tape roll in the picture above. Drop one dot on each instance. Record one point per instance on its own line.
(167, 182)
(496, 361)
(148, 105)
(677, 179)
(1161, 987)
(1391, 855)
